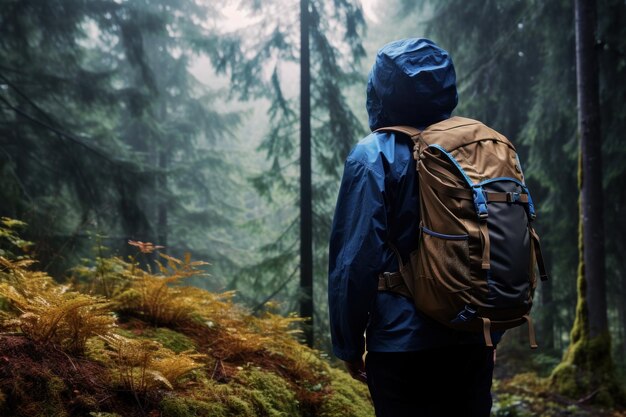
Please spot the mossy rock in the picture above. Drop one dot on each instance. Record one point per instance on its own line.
(348, 397)
(269, 394)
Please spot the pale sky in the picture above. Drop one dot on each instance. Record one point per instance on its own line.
(235, 19)
(369, 6)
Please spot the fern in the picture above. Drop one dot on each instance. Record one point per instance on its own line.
(159, 297)
(8, 233)
(53, 314)
(140, 365)
(45, 311)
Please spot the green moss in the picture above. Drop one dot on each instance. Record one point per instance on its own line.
(214, 409)
(55, 386)
(239, 407)
(269, 394)
(95, 349)
(348, 397)
(171, 339)
(179, 406)
(587, 371)
(54, 405)
(100, 414)
(176, 407)
(564, 380)
(509, 405)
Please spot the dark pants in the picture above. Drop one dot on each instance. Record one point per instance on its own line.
(453, 381)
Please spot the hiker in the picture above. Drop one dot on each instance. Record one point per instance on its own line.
(414, 366)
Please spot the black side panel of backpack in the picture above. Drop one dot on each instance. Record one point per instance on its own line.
(509, 277)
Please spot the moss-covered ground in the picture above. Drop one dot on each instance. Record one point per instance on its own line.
(121, 340)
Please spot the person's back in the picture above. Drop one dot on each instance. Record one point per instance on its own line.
(415, 366)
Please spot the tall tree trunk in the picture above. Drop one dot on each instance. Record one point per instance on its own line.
(163, 163)
(306, 210)
(548, 314)
(591, 149)
(587, 369)
(162, 208)
(621, 308)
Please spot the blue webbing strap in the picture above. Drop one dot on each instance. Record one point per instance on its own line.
(531, 206)
(480, 202)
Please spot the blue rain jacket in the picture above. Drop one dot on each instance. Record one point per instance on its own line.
(412, 82)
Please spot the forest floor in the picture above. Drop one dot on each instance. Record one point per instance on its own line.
(527, 395)
(522, 385)
(47, 381)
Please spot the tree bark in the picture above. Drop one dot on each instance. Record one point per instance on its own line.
(622, 313)
(548, 315)
(591, 149)
(163, 162)
(306, 211)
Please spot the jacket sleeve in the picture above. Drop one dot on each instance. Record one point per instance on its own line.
(356, 256)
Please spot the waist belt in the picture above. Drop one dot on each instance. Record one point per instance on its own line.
(393, 282)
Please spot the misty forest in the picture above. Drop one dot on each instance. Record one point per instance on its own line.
(169, 171)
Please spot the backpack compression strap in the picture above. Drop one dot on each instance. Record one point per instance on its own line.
(394, 281)
(538, 255)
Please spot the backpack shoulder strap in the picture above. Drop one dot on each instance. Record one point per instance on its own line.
(410, 131)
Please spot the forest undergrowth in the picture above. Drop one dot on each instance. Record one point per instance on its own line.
(126, 337)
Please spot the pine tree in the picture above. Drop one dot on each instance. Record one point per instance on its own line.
(258, 60)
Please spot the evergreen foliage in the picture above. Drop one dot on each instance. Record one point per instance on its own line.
(257, 58)
(105, 129)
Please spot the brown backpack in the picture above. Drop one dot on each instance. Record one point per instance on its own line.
(474, 268)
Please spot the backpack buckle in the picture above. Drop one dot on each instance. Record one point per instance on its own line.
(480, 202)
(391, 280)
(467, 314)
(513, 197)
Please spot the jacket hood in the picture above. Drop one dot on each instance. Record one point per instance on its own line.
(413, 83)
